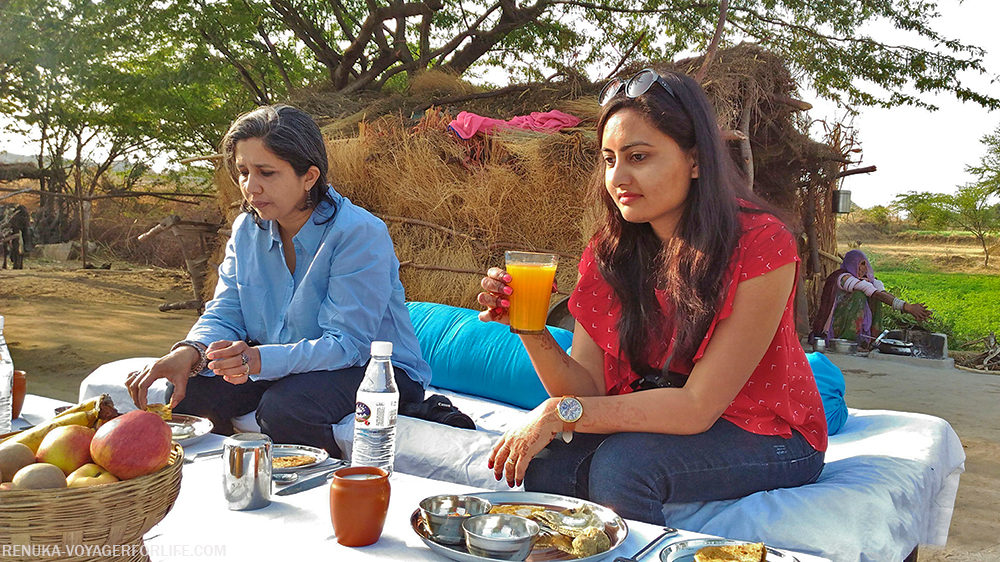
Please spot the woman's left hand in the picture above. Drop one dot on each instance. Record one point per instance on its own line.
(917, 310)
(234, 361)
(512, 453)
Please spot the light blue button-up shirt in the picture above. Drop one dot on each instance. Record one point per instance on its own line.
(344, 294)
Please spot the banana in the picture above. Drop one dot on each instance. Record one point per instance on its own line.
(82, 406)
(92, 413)
(33, 437)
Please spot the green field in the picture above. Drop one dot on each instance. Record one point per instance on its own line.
(966, 306)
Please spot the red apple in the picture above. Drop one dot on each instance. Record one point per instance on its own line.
(90, 474)
(132, 444)
(67, 447)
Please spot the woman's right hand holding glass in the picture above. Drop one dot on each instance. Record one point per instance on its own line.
(496, 296)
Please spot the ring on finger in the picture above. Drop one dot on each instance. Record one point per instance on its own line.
(244, 358)
(246, 373)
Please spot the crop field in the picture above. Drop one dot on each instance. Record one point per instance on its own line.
(946, 273)
(966, 305)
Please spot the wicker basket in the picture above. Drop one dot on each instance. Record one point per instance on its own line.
(71, 518)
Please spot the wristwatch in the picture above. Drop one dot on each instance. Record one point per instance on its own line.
(570, 410)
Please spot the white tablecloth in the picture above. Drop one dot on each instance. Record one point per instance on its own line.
(297, 527)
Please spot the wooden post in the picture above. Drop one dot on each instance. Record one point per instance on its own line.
(745, 151)
(811, 229)
(84, 228)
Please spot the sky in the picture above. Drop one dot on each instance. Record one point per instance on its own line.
(919, 150)
(913, 148)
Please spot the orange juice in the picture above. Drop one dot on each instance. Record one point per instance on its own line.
(531, 282)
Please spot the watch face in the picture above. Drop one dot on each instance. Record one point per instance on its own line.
(570, 409)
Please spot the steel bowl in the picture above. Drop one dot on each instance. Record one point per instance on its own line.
(444, 515)
(844, 346)
(500, 536)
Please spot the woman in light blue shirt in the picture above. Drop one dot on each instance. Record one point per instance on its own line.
(308, 282)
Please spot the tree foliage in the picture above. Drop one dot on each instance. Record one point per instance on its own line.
(974, 207)
(924, 210)
(96, 81)
(276, 45)
(92, 91)
(988, 169)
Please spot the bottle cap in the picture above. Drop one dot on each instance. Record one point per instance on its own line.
(381, 348)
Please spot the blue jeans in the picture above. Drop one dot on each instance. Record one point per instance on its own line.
(636, 473)
(300, 408)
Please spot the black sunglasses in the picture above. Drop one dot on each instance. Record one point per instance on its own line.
(634, 86)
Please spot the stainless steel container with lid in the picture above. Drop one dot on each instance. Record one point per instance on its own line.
(246, 471)
(841, 201)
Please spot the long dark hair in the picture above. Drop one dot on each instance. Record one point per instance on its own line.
(292, 135)
(690, 267)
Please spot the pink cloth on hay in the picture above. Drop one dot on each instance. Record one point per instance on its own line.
(466, 124)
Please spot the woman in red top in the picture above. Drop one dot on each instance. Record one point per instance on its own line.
(685, 293)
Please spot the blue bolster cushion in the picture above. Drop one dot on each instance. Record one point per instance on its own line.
(485, 359)
(830, 381)
(480, 358)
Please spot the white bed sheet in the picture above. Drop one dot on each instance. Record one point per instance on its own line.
(889, 483)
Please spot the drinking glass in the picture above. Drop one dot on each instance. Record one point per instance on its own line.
(531, 277)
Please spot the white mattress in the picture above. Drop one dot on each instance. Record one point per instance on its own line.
(889, 483)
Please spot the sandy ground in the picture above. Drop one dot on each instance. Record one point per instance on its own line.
(970, 402)
(61, 323)
(64, 322)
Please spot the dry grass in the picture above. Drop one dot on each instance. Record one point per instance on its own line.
(517, 190)
(457, 205)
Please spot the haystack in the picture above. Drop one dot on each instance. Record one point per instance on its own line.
(453, 206)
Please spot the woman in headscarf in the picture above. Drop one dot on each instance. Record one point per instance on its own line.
(849, 308)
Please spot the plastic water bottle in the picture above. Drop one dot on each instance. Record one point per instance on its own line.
(6, 384)
(375, 412)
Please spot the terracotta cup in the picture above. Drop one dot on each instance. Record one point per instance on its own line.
(20, 388)
(359, 501)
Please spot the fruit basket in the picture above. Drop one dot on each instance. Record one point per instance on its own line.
(110, 519)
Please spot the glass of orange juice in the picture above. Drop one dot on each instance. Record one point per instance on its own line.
(531, 277)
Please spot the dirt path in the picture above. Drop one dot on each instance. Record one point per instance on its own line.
(62, 323)
(971, 404)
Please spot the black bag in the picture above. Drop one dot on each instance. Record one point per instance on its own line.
(437, 408)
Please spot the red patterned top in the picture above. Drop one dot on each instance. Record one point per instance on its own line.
(780, 394)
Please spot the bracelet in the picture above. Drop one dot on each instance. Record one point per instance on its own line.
(202, 357)
(898, 304)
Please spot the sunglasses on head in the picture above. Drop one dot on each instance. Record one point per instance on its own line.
(634, 87)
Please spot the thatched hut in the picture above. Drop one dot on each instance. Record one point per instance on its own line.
(453, 206)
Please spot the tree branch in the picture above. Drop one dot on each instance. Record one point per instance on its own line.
(865, 170)
(371, 23)
(450, 46)
(477, 96)
(616, 10)
(627, 55)
(251, 84)
(274, 56)
(714, 45)
(340, 12)
(511, 18)
(309, 34)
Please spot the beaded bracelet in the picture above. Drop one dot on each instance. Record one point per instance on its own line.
(202, 357)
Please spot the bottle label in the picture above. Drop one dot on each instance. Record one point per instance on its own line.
(376, 410)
